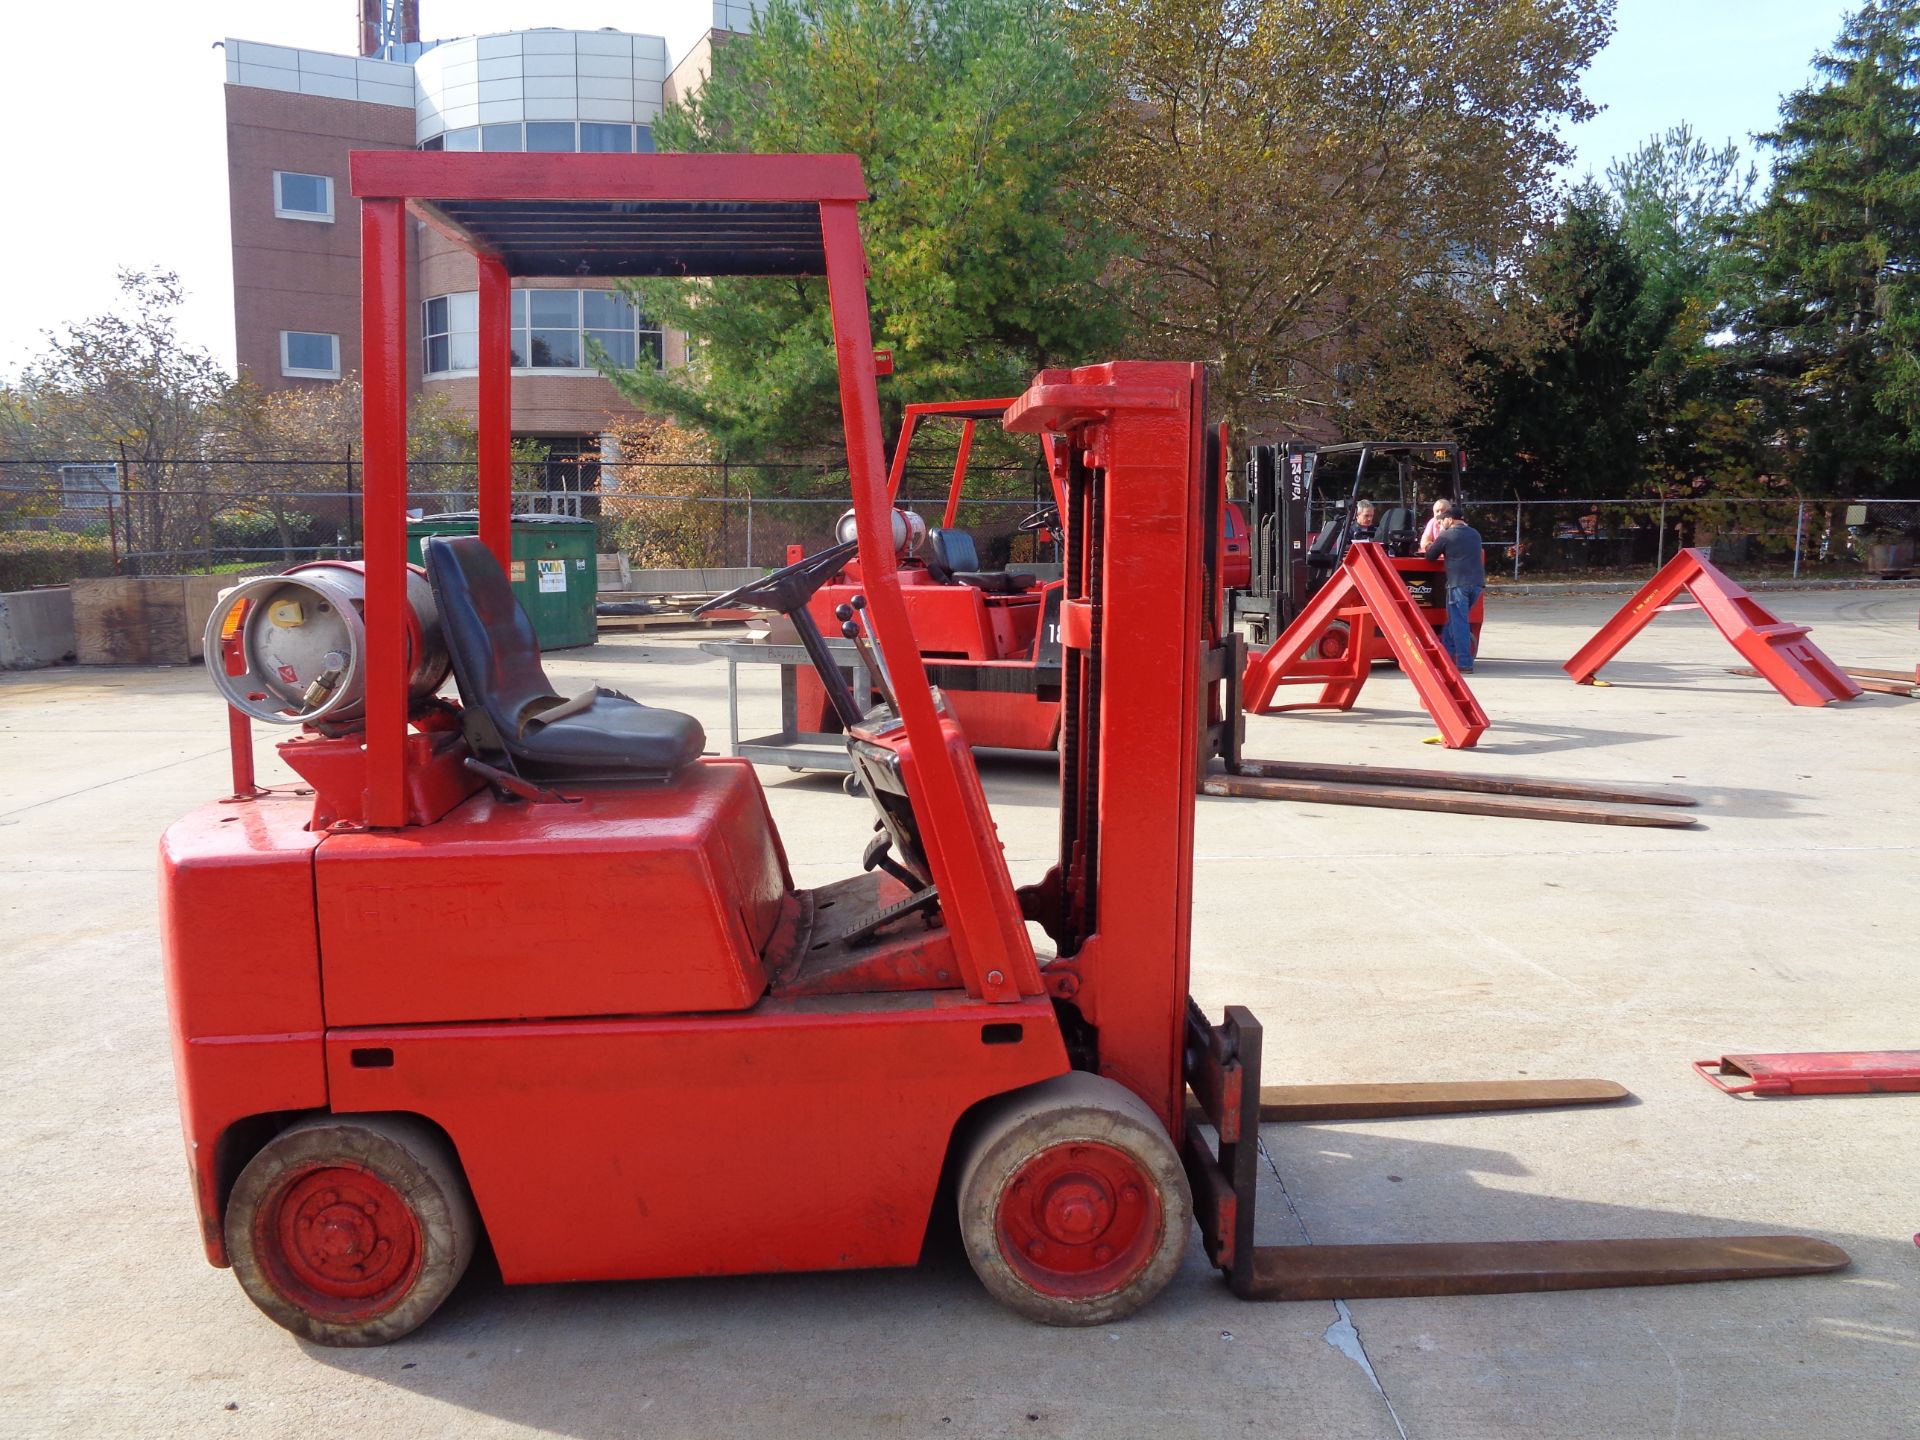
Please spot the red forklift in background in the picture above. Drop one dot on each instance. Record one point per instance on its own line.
(1301, 502)
(528, 966)
(990, 638)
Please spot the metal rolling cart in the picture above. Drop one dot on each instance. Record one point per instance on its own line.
(790, 746)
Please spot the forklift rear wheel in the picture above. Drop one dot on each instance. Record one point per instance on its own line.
(1074, 1207)
(1333, 643)
(351, 1230)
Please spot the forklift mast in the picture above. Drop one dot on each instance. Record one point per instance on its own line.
(1279, 481)
(1131, 442)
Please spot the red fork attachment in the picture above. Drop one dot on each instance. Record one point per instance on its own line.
(1223, 1073)
(1783, 654)
(1826, 1072)
(1369, 595)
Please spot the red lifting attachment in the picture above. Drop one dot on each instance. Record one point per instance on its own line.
(1368, 593)
(1784, 656)
(1830, 1072)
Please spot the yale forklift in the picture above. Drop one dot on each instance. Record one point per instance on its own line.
(1293, 556)
(527, 967)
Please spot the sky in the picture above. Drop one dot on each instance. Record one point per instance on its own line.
(114, 116)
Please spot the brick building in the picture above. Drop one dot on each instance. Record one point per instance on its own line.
(294, 115)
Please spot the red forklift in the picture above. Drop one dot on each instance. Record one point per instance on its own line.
(990, 638)
(526, 967)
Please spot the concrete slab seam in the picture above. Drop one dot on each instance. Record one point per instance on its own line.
(1343, 1335)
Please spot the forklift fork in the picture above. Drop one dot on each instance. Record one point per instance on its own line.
(1222, 1064)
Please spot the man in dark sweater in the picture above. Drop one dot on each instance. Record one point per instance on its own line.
(1460, 546)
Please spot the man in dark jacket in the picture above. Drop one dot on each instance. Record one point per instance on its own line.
(1459, 544)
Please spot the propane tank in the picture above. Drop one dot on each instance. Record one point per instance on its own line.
(292, 648)
(909, 531)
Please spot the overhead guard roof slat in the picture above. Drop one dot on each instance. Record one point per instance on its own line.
(651, 215)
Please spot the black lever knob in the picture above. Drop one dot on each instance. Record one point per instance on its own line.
(850, 630)
(843, 612)
(859, 602)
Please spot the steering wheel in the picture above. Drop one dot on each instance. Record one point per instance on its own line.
(1047, 517)
(789, 588)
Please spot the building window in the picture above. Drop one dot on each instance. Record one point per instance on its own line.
(552, 330)
(553, 136)
(548, 136)
(88, 487)
(309, 355)
(303, 197)
(601, 139)
(450, 333)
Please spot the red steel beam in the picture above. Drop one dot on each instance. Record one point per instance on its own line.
(456, 175)
(990, 944)
(383, 442)
(496, 410)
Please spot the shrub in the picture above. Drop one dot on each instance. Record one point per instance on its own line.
(32, 557)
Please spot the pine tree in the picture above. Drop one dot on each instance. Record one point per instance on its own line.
(1832, 338)
(1568, 419)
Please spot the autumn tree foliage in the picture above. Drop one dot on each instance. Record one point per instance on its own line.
(1325, 200)
(973, 121)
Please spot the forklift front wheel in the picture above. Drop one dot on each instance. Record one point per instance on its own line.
(1074, 1207)
(1333, 641)
(351, 1230)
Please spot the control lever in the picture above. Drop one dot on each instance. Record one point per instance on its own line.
(868, 655)
(859, 603)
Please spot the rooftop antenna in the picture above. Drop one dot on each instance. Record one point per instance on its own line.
(386, 26)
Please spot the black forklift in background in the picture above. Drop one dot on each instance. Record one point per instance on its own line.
(1300, 504)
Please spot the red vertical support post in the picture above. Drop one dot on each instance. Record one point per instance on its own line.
(383, 442)
(959, 475)
(240, 743)
(901, 446)
(496, 411)
(986, 941)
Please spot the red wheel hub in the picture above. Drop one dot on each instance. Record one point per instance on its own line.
(339, 1242)
(1333, 644)
(1079, 1219)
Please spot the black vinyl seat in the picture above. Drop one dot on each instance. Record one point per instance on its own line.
(953, 558)
(512, 708)
(1396, 525)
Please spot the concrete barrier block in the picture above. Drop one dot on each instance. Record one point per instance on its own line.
(36, 628)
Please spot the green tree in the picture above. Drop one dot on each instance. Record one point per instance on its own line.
(1567, 418)
(1831, 337)
(973, 122)
(1678, 201)
(124, 387)
(1327, 199)
(1679, 204)
(119, 383)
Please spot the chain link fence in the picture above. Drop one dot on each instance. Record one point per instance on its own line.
(61, 520)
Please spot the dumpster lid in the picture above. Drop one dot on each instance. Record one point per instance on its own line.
(527, 518)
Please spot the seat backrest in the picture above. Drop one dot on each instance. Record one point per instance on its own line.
(496, 655)
(1333, 530)
(951, 552)
(1395, 521)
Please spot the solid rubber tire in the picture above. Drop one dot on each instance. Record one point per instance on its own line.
(1009, 1131)
(413, 1159)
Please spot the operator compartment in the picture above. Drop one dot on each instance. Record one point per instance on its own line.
(647, 900)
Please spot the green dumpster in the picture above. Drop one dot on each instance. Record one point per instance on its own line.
(554, 575)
